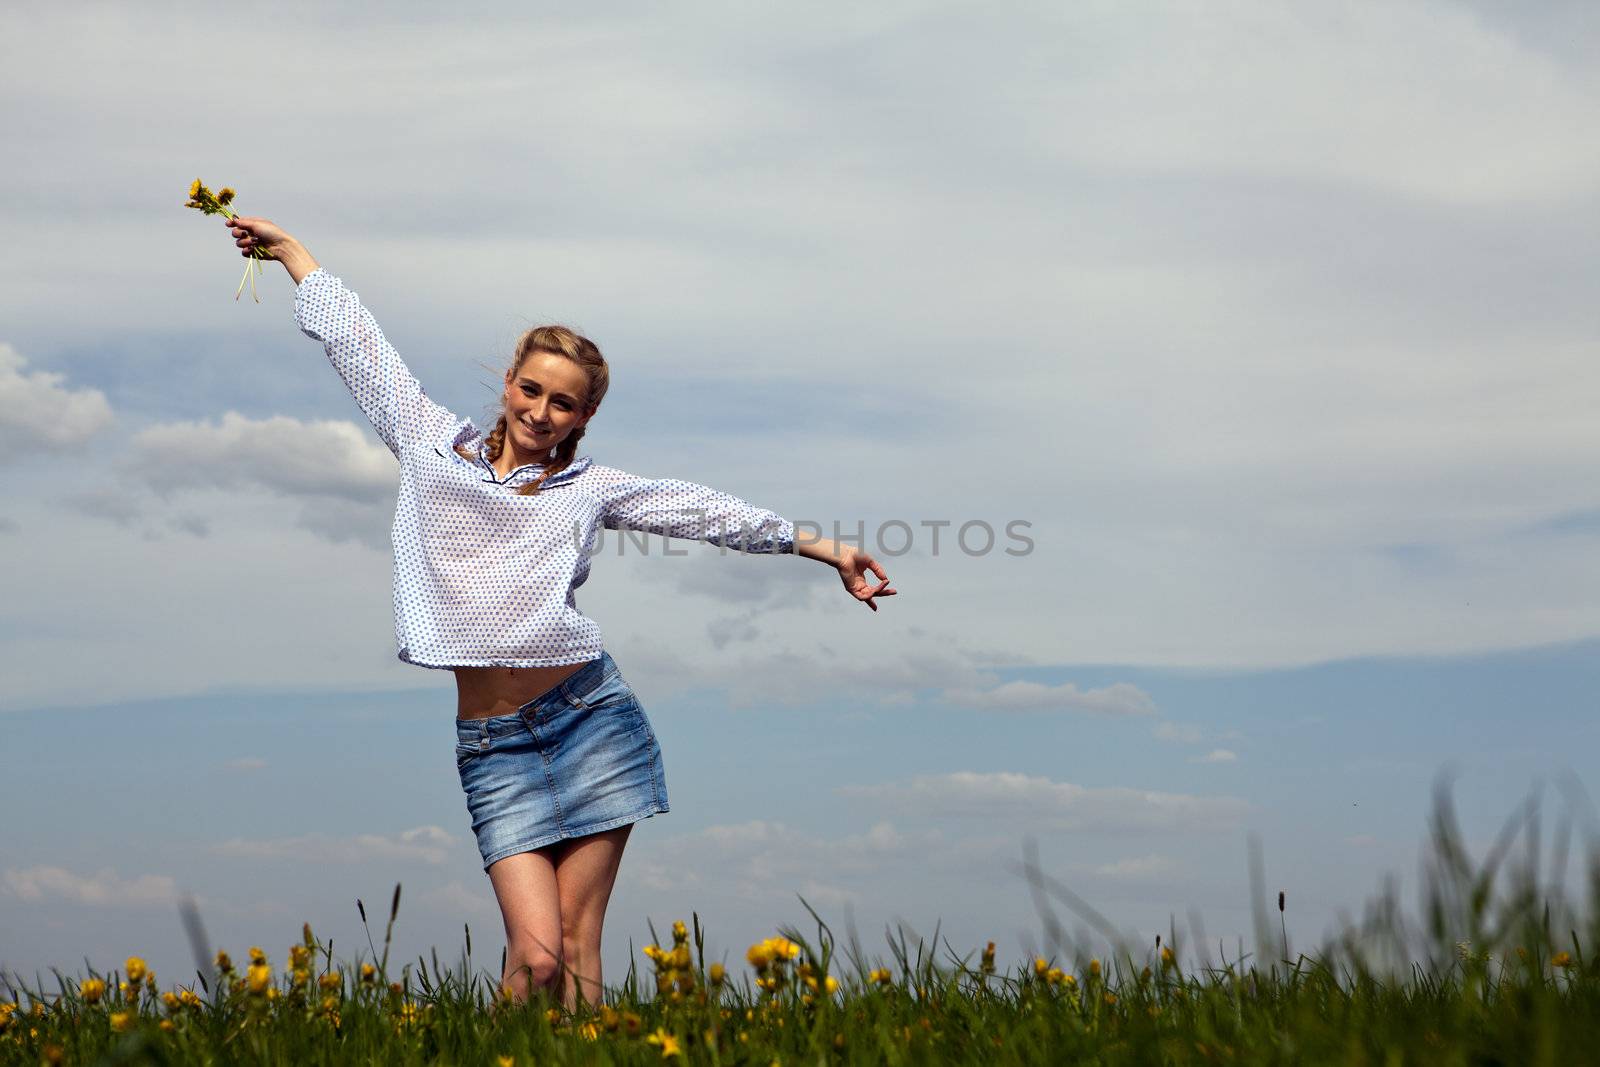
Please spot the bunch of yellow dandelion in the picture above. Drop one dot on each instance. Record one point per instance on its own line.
(816, 982)
(7, 1009)
(203, 199)
(92, 990)
(768, 958)
(674, 977)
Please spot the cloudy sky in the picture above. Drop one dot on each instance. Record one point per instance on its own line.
(1271, 330)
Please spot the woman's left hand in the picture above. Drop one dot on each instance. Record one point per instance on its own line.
(853, 566)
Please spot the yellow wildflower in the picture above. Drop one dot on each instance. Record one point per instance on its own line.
(1041, 966)
(224, 963)
(171, 1002)
(329, 981)
(1094, 968)
(92, 990)
(167, 1025)
(1561, 959)
(259, 977)
(589, 1031)
(1111, 998)
(831, 984)
(880, 975)
(121, 1020)
(987, 963)
(505, 1061)
(225, 195)
(1167, 958)
(368, 972)
(135, 968)
(680, 932)
(760, 955)
(717, 973)
(668, 1044)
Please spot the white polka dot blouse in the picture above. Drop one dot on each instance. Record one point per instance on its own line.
(484, 577)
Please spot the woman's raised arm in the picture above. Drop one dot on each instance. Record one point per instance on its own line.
(383, 386)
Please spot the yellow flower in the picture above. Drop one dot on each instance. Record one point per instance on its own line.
(1111, 998)
(256, 955)
(1094, 968)
(831, 984)
(330, 981)
(880, 975)
(589, 1031)
(196, 189)
(680, 932)
(987, 963)
(224, 963)
(1561, 959)
(225, 196)
(171, 1002)
(167, 1025)
(717, 973)
(1055, 976)
(368, 972)
(121, 1020)
(760, 955)
(505, 1061)
(668, 1044)
(1167, 958)
(1041, 966)
(259, 977)
(135, 968)
(92, 990)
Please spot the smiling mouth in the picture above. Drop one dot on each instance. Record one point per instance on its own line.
(530, 429)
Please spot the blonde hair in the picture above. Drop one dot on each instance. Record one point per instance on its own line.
(557, 341)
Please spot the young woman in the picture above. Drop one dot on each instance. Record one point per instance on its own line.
(492, 533)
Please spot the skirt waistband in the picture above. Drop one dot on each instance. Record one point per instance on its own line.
(569, 692)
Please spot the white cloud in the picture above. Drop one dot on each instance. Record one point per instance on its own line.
(1185, 733)
(1216, 755)
(424, 844)
(1120, 698)
(295, 457)
(38, 413)
(103, 888)
(1028, 798)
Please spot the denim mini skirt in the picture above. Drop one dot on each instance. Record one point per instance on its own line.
(575, 760)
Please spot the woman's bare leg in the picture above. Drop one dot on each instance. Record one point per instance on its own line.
(585, 870)
(525, 885)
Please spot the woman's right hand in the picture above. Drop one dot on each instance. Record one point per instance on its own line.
(258, 236)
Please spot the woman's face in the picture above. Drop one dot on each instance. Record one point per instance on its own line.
(544, 402)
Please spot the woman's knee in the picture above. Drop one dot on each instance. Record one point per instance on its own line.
(536, 965)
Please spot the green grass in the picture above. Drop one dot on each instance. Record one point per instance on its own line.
(1498, 968)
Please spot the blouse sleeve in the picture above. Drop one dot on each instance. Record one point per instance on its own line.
(391, 398)
(677, 508)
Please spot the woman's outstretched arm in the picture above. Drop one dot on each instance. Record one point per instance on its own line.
(852, 564)
(383, 386)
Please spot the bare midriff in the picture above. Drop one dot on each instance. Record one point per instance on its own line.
(483, 692)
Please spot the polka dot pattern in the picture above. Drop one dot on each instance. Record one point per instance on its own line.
(484, 577)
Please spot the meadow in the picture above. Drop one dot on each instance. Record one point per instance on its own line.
(1498, 967)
